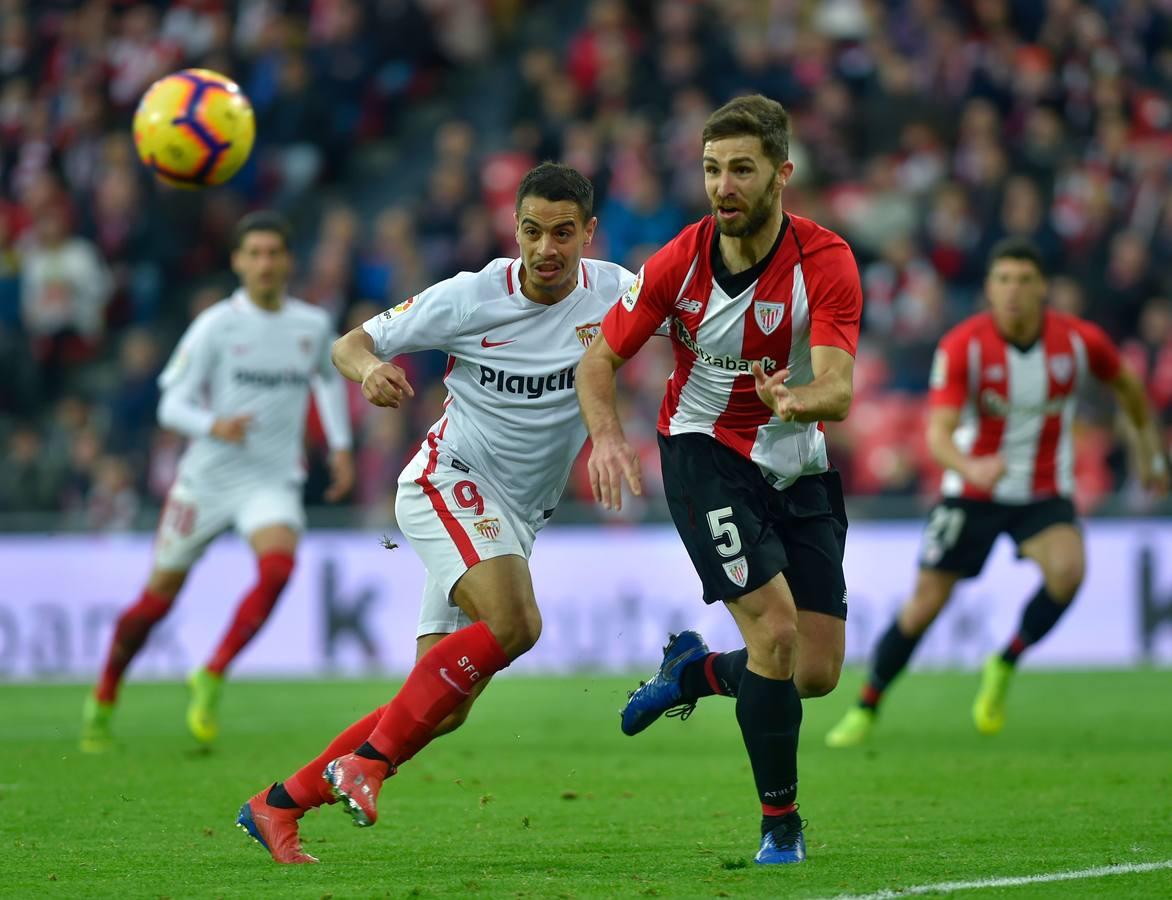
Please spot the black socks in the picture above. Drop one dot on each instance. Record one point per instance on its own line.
(770, 715)
(891, 657)
(1039, 616)
(726, 668)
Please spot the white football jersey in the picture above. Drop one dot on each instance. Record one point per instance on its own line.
(238, 359)
(512, 413)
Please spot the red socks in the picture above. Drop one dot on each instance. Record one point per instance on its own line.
(130, 633)
(306, 787)
(274, 571)
(441, 680)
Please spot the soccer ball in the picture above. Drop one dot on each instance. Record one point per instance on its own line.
(194, 128)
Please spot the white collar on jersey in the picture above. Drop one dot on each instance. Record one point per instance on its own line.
(513, 276)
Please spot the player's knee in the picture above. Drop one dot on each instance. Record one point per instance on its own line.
(166, 584)
(777, 635)
(519, 632)
(1064, 579)
(817, 681)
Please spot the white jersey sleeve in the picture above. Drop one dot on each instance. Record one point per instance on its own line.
(185, 379)
(329, 393)
(427, 321)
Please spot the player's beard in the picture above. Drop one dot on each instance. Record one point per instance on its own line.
(755, 216)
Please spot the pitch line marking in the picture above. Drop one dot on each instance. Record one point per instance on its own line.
(981, 883)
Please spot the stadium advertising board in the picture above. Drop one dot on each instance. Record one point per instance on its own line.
(608, 596)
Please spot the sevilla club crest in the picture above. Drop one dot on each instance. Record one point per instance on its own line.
(587, 333)
(489, 529)
(769, 315)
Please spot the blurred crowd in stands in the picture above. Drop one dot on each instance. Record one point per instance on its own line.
(393, 133)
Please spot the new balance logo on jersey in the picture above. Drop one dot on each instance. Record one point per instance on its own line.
(531, 386)
(283, 378)
(689, 306)
(731, 363)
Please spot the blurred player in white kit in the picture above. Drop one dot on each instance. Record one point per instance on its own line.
(238, 387)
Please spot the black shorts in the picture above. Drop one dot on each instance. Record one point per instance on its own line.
(960, 532)
(740, 531)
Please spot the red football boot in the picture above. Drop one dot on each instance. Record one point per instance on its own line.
(355, 780)
(274, 828)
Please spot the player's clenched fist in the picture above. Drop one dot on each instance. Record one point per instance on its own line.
(386, 385)
(611, 460)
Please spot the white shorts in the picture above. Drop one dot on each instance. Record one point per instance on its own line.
(453, 520)
(192, 519)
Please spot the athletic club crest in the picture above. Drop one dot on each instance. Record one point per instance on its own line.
(769, 315)
(489, 529)
(587, 333)
(1061, 367)
(737, 571)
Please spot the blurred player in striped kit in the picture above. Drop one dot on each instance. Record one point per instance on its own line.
(1003, 392)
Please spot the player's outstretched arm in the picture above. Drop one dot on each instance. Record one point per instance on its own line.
(611, 458)
(383, 383)
(1150, 454)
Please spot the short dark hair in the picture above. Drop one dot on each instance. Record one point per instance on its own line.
(754, 115)
(263, 220)
(1018, 248)
(554, 181)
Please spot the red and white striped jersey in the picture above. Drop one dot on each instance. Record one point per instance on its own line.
(1019, 403)
(807, 295)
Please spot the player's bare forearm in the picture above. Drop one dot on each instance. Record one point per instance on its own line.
(825, 399)
(612, 459)
(594, 381)
(942, 422)
(353, 355)
(1129, 392)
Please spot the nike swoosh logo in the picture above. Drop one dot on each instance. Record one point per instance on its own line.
(444, 672)
(487, 344)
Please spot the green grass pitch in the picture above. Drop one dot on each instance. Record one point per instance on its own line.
(540, 795)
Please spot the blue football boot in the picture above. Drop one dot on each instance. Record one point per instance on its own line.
(784, 844)
(662, 693)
